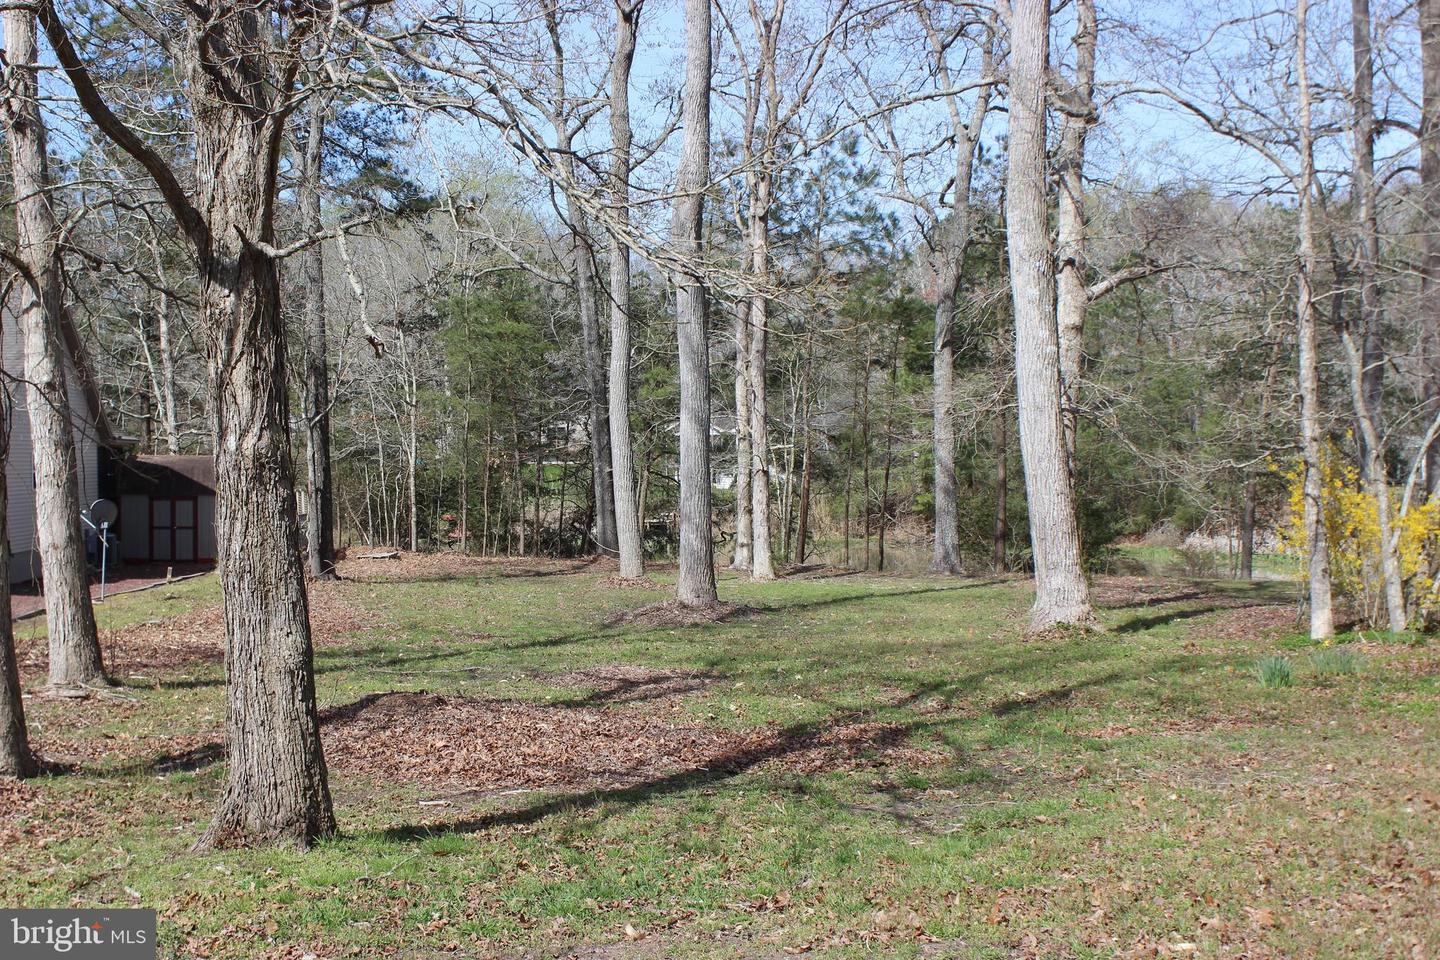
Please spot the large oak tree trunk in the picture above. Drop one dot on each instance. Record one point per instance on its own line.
(1061, 593)
(320, 518)
(695, 584)
(622, 453)
(70, 620)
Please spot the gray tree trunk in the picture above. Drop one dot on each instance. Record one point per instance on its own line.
(946, 557)
(1366, 359)
(1061, 593)
(695, 584)
(743, 529)
(1071, 296)
(582, 253)
(622, 453)
(16, 758)
(276, 788)
(952, 243)
(1429, 308)
(320, 518)
(1322, 620)
(762, 566)
(74, 643)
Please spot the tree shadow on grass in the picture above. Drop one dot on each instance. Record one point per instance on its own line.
(745, 758)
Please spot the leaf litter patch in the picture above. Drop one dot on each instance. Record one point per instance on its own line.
(673, 613)
(196, 637)
(484, 746)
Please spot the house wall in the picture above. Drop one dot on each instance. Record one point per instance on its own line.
(19, 471)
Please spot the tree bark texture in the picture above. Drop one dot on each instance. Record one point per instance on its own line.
(695, 584)
(1322, 620)
(1429, 306)
(75, 658)
(1072, 298)
(16, 758)
(1061, 592)
(275, 789)
(320, 518)
(743, 527)
(622, 452)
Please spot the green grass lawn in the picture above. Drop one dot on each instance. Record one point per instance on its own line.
(874, 767)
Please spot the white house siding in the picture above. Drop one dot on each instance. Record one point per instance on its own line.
(19, 471)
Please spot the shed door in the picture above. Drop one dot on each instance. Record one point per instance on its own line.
(174, 533)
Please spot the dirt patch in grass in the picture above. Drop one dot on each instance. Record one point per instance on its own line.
(673, 613)
(492, 745)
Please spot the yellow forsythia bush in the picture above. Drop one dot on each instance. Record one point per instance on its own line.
(1352, 528)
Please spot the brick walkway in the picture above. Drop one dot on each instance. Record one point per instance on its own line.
(27, 600)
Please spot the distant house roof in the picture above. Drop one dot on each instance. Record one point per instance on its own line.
(173, 474)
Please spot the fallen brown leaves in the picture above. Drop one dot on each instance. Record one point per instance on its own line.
(197, 636)
(673, 613)
(491, 745)
(445, 565)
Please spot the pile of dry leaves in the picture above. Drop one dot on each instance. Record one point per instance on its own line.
(489, 745)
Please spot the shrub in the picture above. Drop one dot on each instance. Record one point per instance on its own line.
(1336, 662)
(1198, 563)
(1352, 531)
(1274, 672)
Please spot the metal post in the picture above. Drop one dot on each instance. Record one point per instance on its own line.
(104, 557)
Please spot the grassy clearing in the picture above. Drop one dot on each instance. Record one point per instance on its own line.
(1133, 792)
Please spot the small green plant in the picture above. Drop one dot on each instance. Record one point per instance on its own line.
(1274, 672)
(1336, 662)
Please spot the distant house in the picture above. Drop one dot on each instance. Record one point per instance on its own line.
(97, 446)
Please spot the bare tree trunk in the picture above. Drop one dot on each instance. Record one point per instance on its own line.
(1061, 593)
(946, 558)
(412, 456)
(168, 418)
(1072, 299)
(1322, 620)
(695, 584)
(802, 528)
(1371, 309)
(276, 787)
(16, 758)
(1429, 143)
(75, 658)
(622, 454)
(1247, 532)
(320, 518)
(952, 241)
(601, 460)
(744, 530)
(1366, 359)
(762, 565)
(1002, 493)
